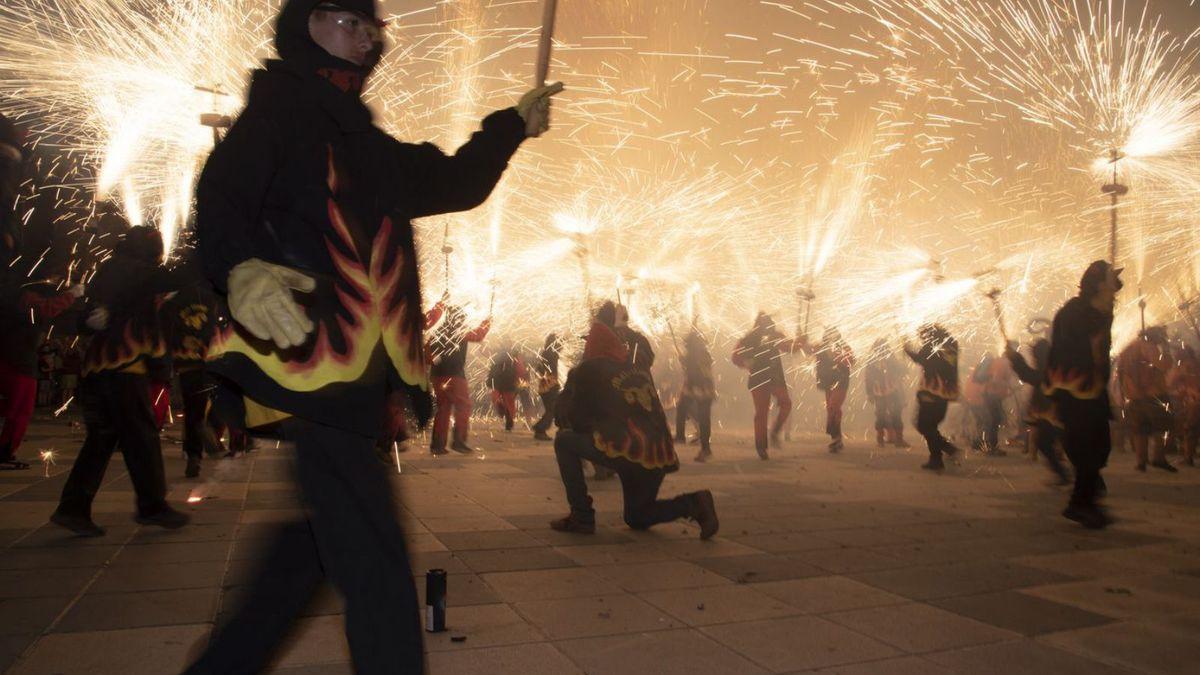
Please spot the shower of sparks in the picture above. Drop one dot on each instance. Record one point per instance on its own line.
(878, 153)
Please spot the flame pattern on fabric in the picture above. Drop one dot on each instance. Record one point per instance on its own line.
(371, 305)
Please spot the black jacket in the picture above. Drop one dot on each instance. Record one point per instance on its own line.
(1079, 365)
(304, 179)
(133, 291)
(939, 370)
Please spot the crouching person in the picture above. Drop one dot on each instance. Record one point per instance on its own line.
(609, 414)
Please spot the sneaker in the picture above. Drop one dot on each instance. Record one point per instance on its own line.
(1088, 516)
(706, 514)
(167, 518)
(540, 435)
(1165, 466)
(80, 525)
(462, 448)
(951, 450)
(573, 525)
(836, 446)
(193, 468)
(934, 465)
(438, 450)
(704, 456)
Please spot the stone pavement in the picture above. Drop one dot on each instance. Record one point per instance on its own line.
(856, 563)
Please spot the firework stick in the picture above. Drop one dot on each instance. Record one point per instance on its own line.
(542, 65)
(994, 296)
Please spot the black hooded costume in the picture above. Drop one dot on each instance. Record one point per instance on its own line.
(1078, 369)
(305, 180)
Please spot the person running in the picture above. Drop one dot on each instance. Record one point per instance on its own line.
(884, 379)
(1078, 371)
(761, 352)
(937, 355)
(834, 361)
(1142, 371)
(698, 393)
(546, 369)
(1039, 414)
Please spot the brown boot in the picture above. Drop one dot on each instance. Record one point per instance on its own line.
(704, 512)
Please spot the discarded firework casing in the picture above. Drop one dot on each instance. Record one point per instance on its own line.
(435, 601)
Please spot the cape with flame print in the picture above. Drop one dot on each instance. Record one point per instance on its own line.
(369, 307)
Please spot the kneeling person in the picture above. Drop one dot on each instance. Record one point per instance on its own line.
(609, 413)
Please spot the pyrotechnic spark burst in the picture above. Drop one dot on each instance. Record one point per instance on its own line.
(724, 154)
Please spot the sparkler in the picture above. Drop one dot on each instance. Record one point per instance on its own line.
(47, 457)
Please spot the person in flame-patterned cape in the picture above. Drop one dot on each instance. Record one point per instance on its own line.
(303, 222)
(609, 413)
(1078, 369)
(938, 357)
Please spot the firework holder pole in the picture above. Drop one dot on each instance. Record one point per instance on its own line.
(994, 296)
(1115, 190)
(447, 250)
(805, 298)
(1142, 307)
(542, 65)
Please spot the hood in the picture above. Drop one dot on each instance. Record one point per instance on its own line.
(603, 343)
(297, 48)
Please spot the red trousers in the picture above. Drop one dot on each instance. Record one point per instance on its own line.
(20, 393)
(834, 399)
(453, 396)
(160, 402)
(505, 403)
(762, 406)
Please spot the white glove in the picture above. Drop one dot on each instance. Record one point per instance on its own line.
(534, 108)
(261, 300)
(77, 290)
(98, 319)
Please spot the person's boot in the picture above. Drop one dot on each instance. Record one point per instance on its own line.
(935, 463)
(166, 518)
(704, 512)
(574, 523)
(1163, 464)
(80, 525)
(541, 435)
(1090, 516)
(193, 467)
(462, 448)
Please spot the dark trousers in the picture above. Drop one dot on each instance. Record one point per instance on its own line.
(640, 486)
(116, 413)
(352, 538)
(1087, 440)
(549, 399)
(198, 435)
(930, 414)
(1046, 434)
(700, 410)
(887, 413)
(991, 420)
